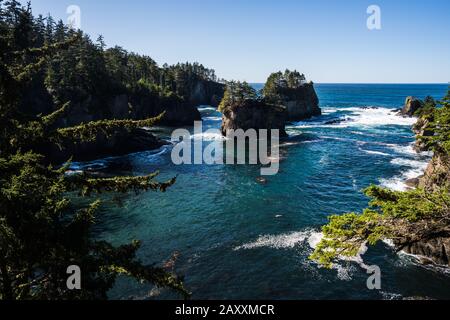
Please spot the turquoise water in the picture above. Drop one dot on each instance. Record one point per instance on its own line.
(239, 239)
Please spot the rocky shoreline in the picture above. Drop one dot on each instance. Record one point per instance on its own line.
(429, 240)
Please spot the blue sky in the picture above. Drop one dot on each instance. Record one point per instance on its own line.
(248, 39)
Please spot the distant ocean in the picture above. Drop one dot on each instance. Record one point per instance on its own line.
(240, 239)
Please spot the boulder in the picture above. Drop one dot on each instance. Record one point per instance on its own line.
(254, 114)
(412, 104)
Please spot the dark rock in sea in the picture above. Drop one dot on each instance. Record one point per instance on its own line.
(261, 180)
(301, 102)
(120, 143)
(369, 108)
(434, 251)
(254, 114)
(412, 105)
(337, 121)
(413, 183)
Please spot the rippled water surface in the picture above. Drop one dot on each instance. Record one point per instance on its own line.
(240, 239)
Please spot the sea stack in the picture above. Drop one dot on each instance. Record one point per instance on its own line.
(254, 114)
(243, 109)
(291, 90)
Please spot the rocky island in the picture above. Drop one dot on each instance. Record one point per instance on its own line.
(290, 89)
(243, 109)
(286, 97)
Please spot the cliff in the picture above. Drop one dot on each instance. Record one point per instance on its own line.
(429, 239)
(120, 142)
(301, 103)
(254, 114)
(291, 90)
(205, 92)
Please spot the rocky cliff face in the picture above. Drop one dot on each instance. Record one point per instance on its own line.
(136, 107)
(254, 114)
(437, 173)
(428, 240)
(301, 103)
(206, 93)
(120, 143)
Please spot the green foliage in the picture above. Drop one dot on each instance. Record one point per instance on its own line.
(436, 117)
(279, 83)
(42, 231)
(389, 215)
(89, 131)
(235, 93)
(392, 214)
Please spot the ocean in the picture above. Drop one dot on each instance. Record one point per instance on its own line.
(239, 239)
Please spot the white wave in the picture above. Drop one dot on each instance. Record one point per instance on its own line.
(398, 183)
(417, 164)
(213, 118)
(409, 149)
(312, 238)
(379, 153)
(377, 117)
(284, 241)
(206, 108)
(364, 117)
(208, 136)
(391, 296)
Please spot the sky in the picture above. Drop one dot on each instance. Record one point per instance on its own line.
(327, 40)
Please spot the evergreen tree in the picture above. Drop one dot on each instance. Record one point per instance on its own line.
(42, 231)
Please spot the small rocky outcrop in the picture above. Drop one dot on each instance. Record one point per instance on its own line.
(121, 142)
(254, 114)
(412, 105)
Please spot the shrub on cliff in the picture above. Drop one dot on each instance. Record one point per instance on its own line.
(235, 93)
(279, 83)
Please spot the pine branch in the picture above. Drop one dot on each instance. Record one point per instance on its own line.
(50, 119)
(118, 184)
(89, 131)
